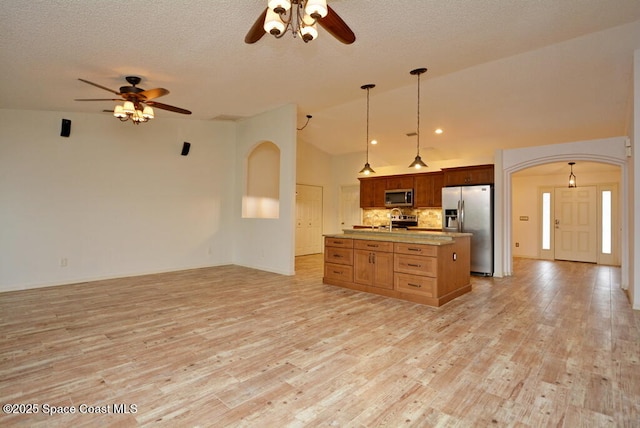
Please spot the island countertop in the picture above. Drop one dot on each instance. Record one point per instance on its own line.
(406, 236)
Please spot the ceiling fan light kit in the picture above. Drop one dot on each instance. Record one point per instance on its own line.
(302, 18)
(136, 102)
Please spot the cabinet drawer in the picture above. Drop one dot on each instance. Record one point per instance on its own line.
(362, 244)
(339, 272)
(415, 249)
(342, 256)
(414, 284)
(416, 265)
(338, 242)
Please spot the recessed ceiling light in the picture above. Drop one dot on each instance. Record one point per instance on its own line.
(374, 142)
(439, 131)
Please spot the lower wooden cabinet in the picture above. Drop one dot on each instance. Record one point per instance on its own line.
(338, 272)
(416, 284)
(373, 263)
(416, 269)
(338, 259)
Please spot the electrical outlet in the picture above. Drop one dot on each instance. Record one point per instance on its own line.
(517, 244)
(63, 262)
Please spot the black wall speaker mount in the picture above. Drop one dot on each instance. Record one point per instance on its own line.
(185, 148)
(65, 131)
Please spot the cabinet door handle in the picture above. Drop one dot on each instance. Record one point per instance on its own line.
(372, 245)
(414, 265)
(415, 249)
(337, 272)
(337, 256)
(414, 285)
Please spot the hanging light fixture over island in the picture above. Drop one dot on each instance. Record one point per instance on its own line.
(417, 162)
(367, 168)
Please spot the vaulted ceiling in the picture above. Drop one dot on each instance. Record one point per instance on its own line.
(502, 73)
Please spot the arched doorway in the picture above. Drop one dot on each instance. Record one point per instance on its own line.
(553, 221)
(609, 151)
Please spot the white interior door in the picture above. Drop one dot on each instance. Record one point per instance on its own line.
(575, 216)
(308, 219)
(350, 211)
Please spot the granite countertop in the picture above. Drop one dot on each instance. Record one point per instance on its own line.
(406, 236)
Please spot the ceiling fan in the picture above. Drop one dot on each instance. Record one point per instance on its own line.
(138, 96)
(282, 15)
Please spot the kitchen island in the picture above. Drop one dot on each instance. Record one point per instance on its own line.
(430, 268)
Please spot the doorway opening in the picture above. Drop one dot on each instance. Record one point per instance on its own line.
(308, 219)
(580, 224)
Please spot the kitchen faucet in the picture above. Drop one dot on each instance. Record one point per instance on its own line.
(391, 215)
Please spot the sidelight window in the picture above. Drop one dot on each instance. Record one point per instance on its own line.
(606, 222)
(546, 221)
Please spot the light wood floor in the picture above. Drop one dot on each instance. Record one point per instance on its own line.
(555, 345)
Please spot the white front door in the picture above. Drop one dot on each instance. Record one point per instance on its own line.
(308, 219)
(576, 224)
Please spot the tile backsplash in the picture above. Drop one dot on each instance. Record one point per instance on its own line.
(427, 217)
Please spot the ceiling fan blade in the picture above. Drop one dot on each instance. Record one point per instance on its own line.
(100, 86)
(98, 99)
(167, 107)
(257, 30)
(153, 93)
(337, 27)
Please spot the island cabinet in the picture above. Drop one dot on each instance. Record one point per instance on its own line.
(428, 190)
(433, 275)
(373, 263)
(468, 175)
(431, 271)
(338, 259)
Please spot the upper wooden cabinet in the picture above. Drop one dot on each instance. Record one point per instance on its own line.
(372, 192)
(468, 175)
(427, 186)
(400, 182)
(428, 190)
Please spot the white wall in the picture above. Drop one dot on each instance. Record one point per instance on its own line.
(113, 199)
(267, 244)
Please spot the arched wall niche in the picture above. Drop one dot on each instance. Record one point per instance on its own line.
(261, 198)
(611, 151)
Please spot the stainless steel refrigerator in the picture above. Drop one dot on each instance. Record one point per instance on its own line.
(470, 209)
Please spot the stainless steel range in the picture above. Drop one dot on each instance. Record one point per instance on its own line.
(402, 221)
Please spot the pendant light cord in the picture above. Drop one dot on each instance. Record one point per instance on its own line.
(368, 124)
(418, 130)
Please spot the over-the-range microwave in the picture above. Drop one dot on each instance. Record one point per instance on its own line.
(398, 198)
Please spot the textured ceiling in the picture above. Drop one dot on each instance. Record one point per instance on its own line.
(502, 73)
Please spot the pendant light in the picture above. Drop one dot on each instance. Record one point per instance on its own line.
(367, 168)
(417, 162)
(572, 177)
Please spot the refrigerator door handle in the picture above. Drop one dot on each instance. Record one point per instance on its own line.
(461, 222)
